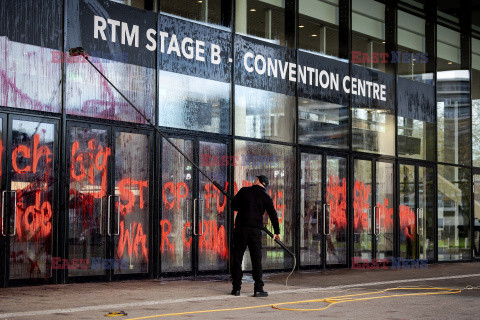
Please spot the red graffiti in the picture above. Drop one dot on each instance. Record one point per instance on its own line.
(127, 238)
(336, 198)
(33, 222)
(175, 192)
(384, 215)
(127, 195)
(214, 238)
(85, 163)
(212, 193)
(166, 244)
(35, 154)
(361, 205)
(407, 221)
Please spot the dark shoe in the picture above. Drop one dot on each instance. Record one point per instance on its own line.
(236, 293)
(260, 294)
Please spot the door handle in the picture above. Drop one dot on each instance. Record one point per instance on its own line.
(101, 216)
(202, 210)
(3, 210)
(325, 219)
(416, 222)
(316, 206)
(109, 214)
(14, 213)
(376, 227)
(195, 217)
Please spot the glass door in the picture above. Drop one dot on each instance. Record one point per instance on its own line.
(476, 221)
(194, 212)
(416, 211)
(109, 202)
(28, 166)
(323, 206)
(373, 199)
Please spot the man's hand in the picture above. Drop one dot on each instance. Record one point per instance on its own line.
(276, 237)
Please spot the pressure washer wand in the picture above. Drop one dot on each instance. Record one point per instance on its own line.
(79, 51)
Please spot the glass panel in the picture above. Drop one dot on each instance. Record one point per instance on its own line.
(411, 42)
(87, 204)
(141, 4)
(193, 103)
(200, 10)
(212, 245)
(336, 200)
(88, 94)
(453, 101)
(264, 115)
(264, 19)
(476, 100)
(373, 130)
(30, 76)
(416, 138)
(277, 163)
(132, 186)
(368, 25)
(406, 212)
(177, 204)
(384, 210)
(454, 213)
(32, 178)
(426, 215)
(476, 241)
(318, 26)
(362, 211)
(322, 124)
(311, 210)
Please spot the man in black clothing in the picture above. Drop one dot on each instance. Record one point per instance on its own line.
(251, 203)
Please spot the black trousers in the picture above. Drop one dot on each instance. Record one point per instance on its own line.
(242, 238)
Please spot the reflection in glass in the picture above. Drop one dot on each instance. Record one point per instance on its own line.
(193, 103)
(407, 212)
(384, 210)
(87, 205)
(277, 163)
(476, 226)
(322, 124)
(177, 205)
(373, 130)
(411, 41)
(368, 26)
(30, 76)
(141, 4)
(264, 114)
(32, 180)
(416, 138)
(336, 207)
(476, 101)
(426, 215)
(210, 11)
(264, 19)
(311, 209)
(318, 26)
(132, 186)
(362, 209)
(87, 93)
(454, 212)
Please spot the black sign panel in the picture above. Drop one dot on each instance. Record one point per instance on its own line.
(112, 31)
(416, 100)
(371, 89)
(311, 89)
(34, 22)
(263, 65)
(194, 49)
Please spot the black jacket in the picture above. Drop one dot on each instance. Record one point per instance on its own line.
(251, 203)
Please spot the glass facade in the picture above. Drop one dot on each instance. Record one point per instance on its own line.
(367, 158)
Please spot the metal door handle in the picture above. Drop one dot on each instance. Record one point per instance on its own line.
(187, 205)
(3, 209)
(101, 216)
(416, 222)
(325, 219)
(316, 206)
(376, 231)
(202, 210)
(195, 217)
(423, 219)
